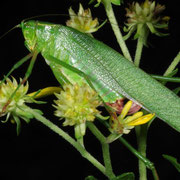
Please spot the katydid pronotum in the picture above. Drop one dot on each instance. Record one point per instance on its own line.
(110, 73)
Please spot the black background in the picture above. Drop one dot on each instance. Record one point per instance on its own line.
(38, 153)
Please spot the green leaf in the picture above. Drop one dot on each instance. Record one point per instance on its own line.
(91, 1)
(116, 2)
(38, 111)
(125, 176)
(112, 137)
(104, 118)
(27, 120)
(173, 73)
(131, 30)
(176, 90)
(90, 178)
(173, 161)
(18, 124)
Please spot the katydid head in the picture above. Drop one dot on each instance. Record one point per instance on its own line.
(29, 32)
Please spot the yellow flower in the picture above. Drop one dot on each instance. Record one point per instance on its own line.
(77, 104)
(83, 21)
(144, 18)
(123, 124)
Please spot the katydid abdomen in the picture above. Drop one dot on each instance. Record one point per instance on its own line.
(110, 73)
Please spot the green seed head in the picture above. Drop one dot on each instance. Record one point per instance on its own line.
(17, 101)
(144, 18)
(77, 104)
(82, 21)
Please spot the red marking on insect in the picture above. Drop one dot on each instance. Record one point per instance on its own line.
(119, 105)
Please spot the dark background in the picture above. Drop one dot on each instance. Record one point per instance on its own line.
(39, 153)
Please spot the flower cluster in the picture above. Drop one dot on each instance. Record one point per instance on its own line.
(12, 101)
(18, 100)
(123, 123)
(77, 104)
(83, 21)
(144, 18)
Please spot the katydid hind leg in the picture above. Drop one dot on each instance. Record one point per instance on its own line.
(82, 74)
(65, 65)
(58, 74)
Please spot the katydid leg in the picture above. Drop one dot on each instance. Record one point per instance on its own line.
(17, 65)
(58, 74)
(82, 74)
(27, 74)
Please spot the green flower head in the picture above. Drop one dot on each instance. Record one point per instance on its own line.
(14, 107)
(83, 21)
(17, 101)
(77, 104)
(144, 18)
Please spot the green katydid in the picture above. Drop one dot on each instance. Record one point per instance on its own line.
(110, 73)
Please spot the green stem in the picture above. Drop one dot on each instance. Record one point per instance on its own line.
(115, 27)
(105, 149)
(173, 65)
(146, 161)
(167, 79)
(138, 53)
(68, 138)
(141, 133)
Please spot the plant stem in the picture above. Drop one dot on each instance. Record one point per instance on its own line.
(173, 65)
(68, 138)
(105, 149)
(167, 79)
(115, 27)
(141, 133)
(146, 161)
(138, 53)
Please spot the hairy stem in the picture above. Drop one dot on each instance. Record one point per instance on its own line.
(68, 138)
(115, 27)
(105, 149)
(146, 161)
(141, 133)
(138, 53)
